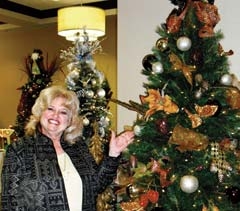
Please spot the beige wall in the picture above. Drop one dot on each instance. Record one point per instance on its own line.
(18, 43)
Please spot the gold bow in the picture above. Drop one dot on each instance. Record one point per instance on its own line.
(179, 65)
(202, 111)
(157, 102)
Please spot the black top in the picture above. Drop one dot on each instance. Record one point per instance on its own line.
(32, 179)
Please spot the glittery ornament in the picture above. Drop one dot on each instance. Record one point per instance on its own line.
(162, 44)
(219, 163)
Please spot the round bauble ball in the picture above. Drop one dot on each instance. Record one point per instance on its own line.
(137, 130)
(162, 44)
(89, 94)
(148, 60)
(226, 79)
(101, 93)
(198, 78)
(94, 82)
(189, 184)
(133, 191)
(157, 67)
(184, 43)
(86, 121)
(198, 94)
(162, 126)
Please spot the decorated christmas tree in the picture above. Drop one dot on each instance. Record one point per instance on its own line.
(39, 74)
(94, 93)
(186, 153)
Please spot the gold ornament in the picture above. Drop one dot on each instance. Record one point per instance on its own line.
(219, 163)
(162, 44)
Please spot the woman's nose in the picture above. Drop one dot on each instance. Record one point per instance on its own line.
(56, 113)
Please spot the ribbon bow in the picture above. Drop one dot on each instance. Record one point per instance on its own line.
(202, 112)
(157, 102)
(179, 65)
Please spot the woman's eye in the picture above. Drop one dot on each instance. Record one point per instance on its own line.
(64, 112)
(49, 108)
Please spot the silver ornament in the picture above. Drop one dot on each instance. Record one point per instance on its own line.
(94, 82)
(137, 130)
(157, 67)
(184, 43)
(86, 121)
(101, 93)
(226, 79)
(189, 184)
(198, 94)
(89, 93)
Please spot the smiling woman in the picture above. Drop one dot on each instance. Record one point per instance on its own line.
(62, 161)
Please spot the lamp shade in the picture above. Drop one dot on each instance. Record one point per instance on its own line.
(79, 19)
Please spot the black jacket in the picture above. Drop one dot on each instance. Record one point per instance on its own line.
(32, 180)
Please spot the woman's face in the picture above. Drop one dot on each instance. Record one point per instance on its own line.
(55, 119)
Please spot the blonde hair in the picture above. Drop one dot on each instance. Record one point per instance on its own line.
(45, 98)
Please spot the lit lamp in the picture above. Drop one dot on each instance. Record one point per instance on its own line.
(74, 21)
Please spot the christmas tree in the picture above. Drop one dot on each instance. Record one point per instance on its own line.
(39, 77)
(186, 152)
(94, 93)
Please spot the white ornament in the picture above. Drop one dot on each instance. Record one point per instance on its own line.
(189, 184)
(89, 93)
(226, 79)
(157, 67)
(101, 93)
(184, 43)
(137, 130)
(198, 94)
(85, 121)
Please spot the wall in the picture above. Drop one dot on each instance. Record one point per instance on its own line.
(18, 43)
(137, 21)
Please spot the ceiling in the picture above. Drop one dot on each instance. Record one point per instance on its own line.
(24, 13)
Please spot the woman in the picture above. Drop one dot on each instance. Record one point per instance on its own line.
(51, 168)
